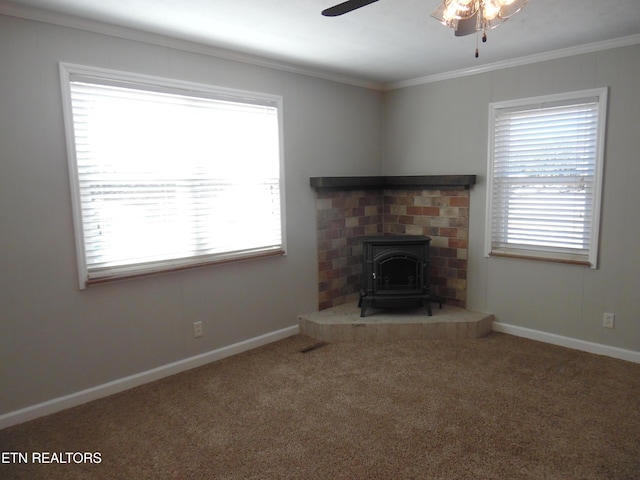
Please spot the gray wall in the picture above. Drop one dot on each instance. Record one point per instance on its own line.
(441, 128)
(55, 339)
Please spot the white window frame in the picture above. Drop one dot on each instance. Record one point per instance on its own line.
(546, 253)
(88, 276)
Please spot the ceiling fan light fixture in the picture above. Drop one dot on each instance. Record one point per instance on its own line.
(445, 16)
(461, 9)
(491, 9)
(473, 16)
(511, 7)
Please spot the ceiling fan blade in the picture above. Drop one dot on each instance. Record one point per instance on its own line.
(466, 26)
(346, 7)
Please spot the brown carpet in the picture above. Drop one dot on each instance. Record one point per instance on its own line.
(500, 407)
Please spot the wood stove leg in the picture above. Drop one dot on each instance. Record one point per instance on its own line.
(363, 306)
(428, 305)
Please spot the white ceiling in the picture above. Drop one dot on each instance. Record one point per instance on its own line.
(384, 43)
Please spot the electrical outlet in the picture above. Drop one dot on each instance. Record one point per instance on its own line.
(608, 320)
(197, 329)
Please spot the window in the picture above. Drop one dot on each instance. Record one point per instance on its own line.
(168, 174)
(545, 177)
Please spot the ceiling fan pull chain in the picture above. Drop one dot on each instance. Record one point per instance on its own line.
(477, 51)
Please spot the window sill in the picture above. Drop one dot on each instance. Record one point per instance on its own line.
(169, 269)
(567, 261)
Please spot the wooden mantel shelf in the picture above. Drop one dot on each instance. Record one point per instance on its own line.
(399, 182)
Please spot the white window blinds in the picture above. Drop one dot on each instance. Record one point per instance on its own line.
(167, 176)
(544, 176)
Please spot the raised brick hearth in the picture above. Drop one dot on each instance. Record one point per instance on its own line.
(345, 215)
(344, 324)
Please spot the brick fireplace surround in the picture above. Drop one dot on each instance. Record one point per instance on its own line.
(351, 207)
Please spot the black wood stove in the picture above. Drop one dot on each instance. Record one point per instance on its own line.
(395, 272)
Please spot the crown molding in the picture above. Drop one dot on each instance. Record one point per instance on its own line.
(516, 62)
(64, 20)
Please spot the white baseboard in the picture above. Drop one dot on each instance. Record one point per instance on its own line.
(122, 384)
(597, 348)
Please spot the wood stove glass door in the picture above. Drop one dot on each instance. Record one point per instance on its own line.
(398, 274)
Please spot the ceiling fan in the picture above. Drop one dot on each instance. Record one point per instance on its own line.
(346, 7)
(463, 26)
(464, 16)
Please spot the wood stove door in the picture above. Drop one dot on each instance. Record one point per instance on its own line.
(398, 273)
